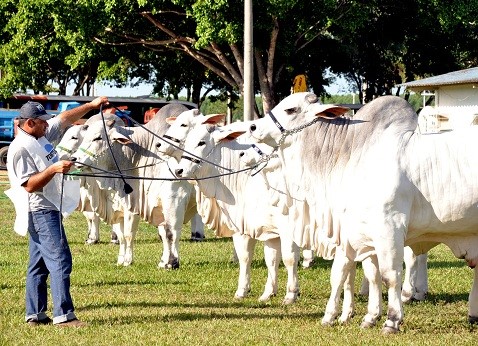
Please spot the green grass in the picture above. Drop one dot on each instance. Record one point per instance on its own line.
(141, 305)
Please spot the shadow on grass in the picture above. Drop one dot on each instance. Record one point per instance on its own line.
(242, 312)
(446, 264)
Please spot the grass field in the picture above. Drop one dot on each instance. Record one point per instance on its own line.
(141, 305)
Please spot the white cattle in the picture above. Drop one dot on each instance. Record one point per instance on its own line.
(268, 165)
(69, 143)
(384, 185)
(176, 134)
(165, 204)
(239, 203)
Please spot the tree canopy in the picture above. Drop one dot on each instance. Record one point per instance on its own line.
(198, 45)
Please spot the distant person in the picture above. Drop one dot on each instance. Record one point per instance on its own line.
(36, 191)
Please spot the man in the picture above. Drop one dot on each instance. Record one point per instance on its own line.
(36, 191)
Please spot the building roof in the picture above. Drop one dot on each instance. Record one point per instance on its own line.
(467, 76)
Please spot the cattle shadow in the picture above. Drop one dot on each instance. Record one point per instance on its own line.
(243, 312)
(446, 264)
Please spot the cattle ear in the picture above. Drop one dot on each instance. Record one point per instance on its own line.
(328, 111)
(227, 135)
(214, 118)
(119, 137)
(171, 120)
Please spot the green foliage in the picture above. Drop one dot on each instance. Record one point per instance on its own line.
(215, 23)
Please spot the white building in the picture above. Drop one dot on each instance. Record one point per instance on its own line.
(456, 100)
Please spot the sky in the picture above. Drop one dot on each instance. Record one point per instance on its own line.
(105, 90)
(146, 89)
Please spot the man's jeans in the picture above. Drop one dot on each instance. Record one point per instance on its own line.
(49, 254)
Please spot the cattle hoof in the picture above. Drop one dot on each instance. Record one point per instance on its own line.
(115, 241)
(367, 324)
(327, 323)
(420, 296)
(289, 301)
(172, 265)
(91, 241)
(473, 319)
(291, 298)
(406, 297)
(307, 264)
(197, 237)
(389, 330)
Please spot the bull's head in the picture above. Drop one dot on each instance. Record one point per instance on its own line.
(295, 111)
(179, 129)
(94, 148)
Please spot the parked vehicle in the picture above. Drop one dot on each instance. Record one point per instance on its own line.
(7, 133)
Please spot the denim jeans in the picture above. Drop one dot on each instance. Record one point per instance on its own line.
(49, 255)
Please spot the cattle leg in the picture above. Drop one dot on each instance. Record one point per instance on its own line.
(364, 287)
(170, 257)
(244, 246)
(197, 228)
(421, 284)
(390, 258)
(114, 234)
(415, 282)
(93, 222)
(131, 222)
(308, 258)
(341, 267)
(272, 257)
(473, 299)
(122, 243)
(374, 306)
(290, 257)
(348, 302)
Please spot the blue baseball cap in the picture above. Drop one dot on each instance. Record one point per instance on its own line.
(34, 110)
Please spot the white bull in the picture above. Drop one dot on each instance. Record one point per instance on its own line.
(165, 204)
(239, 205)
(384, 185)
(415, 285)
(69, 143)
(176, 134)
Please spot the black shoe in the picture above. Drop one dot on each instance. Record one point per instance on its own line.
(35, 323)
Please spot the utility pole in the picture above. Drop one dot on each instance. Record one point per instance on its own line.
(248, 63)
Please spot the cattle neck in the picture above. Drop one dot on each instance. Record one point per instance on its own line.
(199, 161)
(286, 132)
(264, 159)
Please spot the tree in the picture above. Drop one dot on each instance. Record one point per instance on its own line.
(211, 32)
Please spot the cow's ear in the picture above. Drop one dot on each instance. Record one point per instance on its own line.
(119, 137)
(227, 135)
(328, 111)
(214, 118)
(171, 120)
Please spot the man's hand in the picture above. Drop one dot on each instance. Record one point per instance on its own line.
(37, 181)
(97, 102)
(62, 166)
(72, 115)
